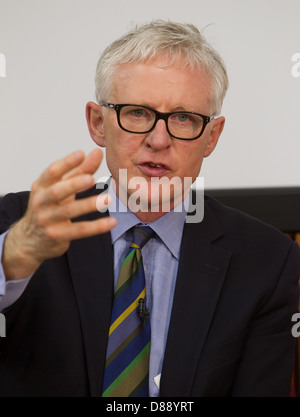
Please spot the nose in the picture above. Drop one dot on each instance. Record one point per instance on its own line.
(159, 137)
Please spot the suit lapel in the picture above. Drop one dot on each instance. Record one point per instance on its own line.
(93, 285)
(201, 273)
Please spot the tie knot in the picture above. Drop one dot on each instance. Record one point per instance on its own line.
(141, 235)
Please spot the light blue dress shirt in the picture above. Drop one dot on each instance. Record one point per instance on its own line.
(160, 257)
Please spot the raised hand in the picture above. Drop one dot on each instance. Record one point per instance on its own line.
(46, 229)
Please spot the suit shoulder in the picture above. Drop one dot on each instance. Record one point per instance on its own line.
(240, 224)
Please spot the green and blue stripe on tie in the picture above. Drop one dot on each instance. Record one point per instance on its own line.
(128, 351)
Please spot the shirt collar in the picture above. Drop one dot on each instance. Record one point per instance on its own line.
(168, 227)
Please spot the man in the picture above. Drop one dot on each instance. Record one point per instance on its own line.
(220, 293)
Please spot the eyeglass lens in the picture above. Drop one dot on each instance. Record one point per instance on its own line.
(183, 125)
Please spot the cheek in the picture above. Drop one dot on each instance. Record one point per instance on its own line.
(115, 158)
(192, 160)
(119, 152)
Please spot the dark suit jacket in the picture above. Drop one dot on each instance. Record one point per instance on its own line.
(230, 329)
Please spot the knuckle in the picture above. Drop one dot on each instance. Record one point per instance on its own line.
(41, 221)
(36, 202)
(35, 186)
(52, 170)
(83, 228)
(53, 192)
(51, 233)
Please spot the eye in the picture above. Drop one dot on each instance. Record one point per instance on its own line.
(139, 112)
(181, 118)
(136, 113)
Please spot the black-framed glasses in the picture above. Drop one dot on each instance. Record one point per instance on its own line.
(185, 125)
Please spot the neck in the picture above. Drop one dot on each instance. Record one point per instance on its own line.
(150, 210)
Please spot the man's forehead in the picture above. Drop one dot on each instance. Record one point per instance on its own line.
(158, 68)
(154, 78)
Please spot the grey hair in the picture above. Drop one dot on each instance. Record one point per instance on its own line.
(171, 39)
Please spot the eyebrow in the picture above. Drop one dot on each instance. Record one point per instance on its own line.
(182, 108)
(176, 108)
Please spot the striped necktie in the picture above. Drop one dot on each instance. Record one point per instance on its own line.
(128, 351)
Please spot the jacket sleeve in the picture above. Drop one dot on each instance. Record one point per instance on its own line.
(12, 208)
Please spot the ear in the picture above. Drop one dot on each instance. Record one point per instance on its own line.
(94, 118)
(215, 133)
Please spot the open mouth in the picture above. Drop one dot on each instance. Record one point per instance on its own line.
(150, 164)
(153, 169)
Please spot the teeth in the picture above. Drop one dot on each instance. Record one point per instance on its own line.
(155, 165)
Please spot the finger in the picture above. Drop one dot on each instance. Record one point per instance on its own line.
(82, 229)
(88, 166)
(71, 210)
(57, 169)
(63, 190)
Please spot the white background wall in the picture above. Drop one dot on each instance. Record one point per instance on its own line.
(51, 50)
